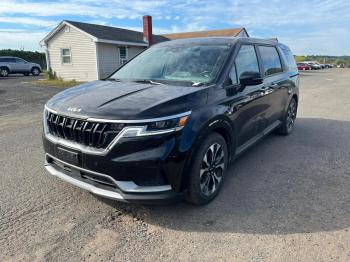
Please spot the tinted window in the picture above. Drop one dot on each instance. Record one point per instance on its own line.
(6, 60)
(270, 60)
(246, 60)
(289, 60)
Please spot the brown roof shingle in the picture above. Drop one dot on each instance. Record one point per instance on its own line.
(210, 33)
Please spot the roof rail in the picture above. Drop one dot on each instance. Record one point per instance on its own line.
(274, 39)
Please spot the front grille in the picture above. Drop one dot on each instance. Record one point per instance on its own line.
(93, 134)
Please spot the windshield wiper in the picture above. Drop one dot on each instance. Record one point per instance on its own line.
(113, 79)
(148, 81)
(197, 83)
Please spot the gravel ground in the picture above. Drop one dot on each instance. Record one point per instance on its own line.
(286, 199)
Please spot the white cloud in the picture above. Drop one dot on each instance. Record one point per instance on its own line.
(20, 39)
(298, 21)
(28, 21)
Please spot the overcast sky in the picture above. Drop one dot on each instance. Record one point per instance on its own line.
(307, 26)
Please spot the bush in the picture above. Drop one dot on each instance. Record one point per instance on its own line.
(50, 75)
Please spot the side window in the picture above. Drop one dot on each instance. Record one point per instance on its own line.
(246, 60)
(18, 60)
(270, 60)
(9, 60)
(289, 60)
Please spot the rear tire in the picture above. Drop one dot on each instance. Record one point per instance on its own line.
(207, 171)
(288, 122)
(35, 71)
(4, 72)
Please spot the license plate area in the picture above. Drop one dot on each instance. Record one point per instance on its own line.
(68, 156)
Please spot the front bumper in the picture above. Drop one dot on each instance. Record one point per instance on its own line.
(104, 185)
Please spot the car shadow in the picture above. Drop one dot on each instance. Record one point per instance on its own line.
(21, 76)
(283, 185)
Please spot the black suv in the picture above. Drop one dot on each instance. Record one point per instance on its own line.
(169, 121)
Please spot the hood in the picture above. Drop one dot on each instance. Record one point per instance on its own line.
(126, 100)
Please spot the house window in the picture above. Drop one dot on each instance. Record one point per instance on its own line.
(123, 55)
(66, 56)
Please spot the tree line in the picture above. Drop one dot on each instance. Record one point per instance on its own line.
(34, 57)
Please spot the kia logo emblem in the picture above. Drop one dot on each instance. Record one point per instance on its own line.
(74, 109)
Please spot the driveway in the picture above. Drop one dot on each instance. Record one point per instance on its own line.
(286, 199)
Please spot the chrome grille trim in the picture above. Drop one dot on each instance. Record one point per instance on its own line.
(136, 130)
(90, 134)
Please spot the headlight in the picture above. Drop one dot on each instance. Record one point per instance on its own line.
(176, 123)
(157, 127)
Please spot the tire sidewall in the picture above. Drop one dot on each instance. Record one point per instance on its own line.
(5, 70)
(283, 129)
(194, 192)
(285, 118)
(33, 70)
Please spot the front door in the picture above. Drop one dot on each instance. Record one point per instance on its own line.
(248, 106)
(21, 65)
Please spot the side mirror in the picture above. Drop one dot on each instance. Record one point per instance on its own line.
(250, 78)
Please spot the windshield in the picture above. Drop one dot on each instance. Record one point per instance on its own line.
(195, 64)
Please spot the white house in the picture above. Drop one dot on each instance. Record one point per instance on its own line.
(87, 52)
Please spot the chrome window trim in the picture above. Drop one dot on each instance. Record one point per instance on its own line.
(139, 131)
(125, 186)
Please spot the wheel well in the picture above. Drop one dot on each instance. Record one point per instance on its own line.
(224, 132)
(34, 67)
(295, 97)
(5, 67)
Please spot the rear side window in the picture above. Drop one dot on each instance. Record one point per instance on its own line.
(6, 60)
(289, 60)
(246, 60)
(270, 60)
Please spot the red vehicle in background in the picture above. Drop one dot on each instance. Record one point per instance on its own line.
(303, 66)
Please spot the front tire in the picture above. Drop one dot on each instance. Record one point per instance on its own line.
(288, 122)
(35, 71)
(207, 171)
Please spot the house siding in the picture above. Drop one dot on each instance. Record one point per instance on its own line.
(108, 57)
(135, 50)
(83, 65)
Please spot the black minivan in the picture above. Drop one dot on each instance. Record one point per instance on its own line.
(169, 122)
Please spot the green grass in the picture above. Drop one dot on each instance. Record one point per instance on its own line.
(56, 83)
